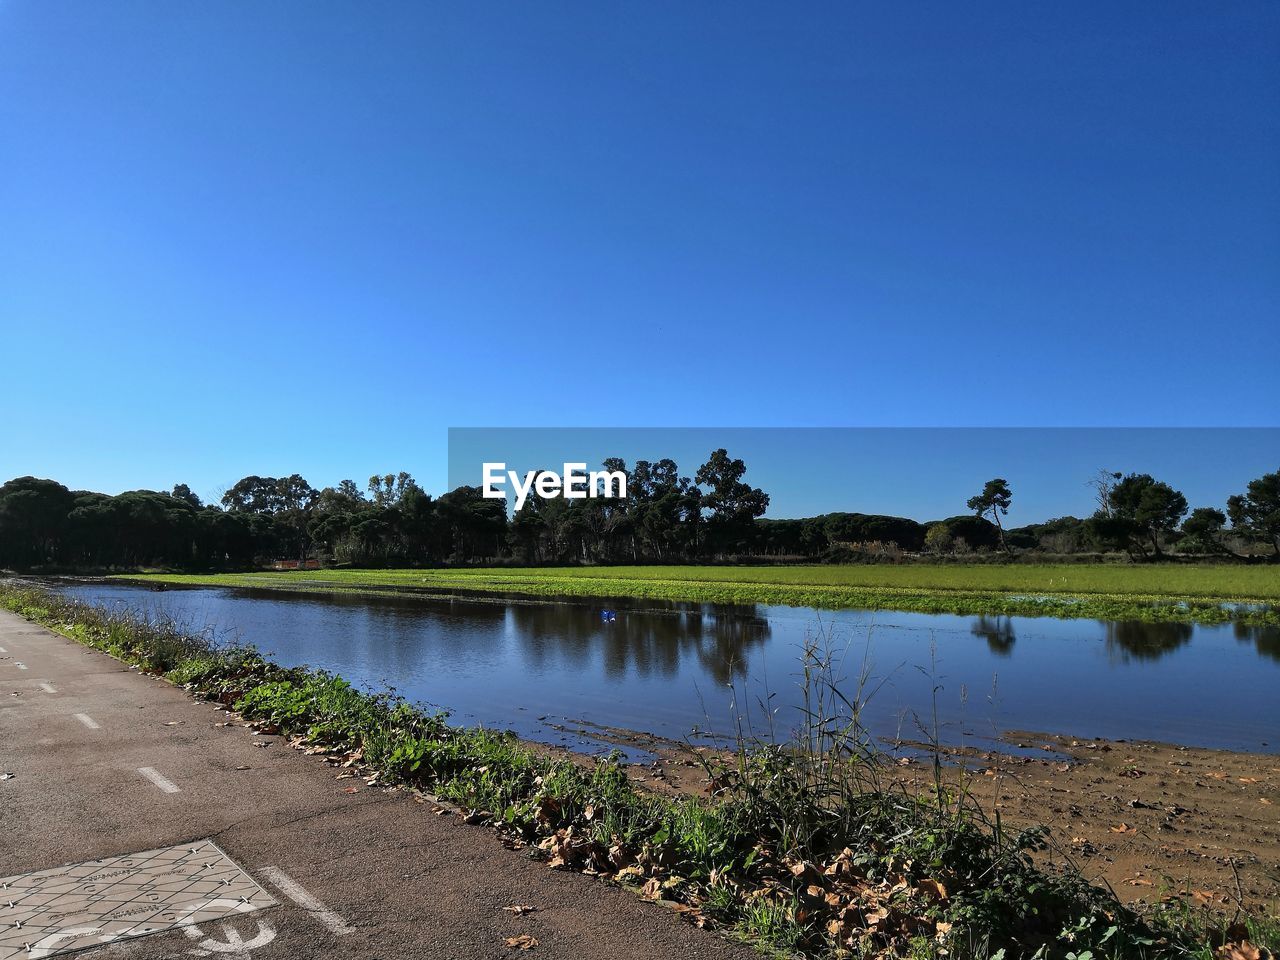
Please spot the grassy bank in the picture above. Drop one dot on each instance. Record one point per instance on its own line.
(1200, 593)
(803, 850)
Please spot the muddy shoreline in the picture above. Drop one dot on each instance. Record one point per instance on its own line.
(1151, 820)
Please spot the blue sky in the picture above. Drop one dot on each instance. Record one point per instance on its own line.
(266, 238)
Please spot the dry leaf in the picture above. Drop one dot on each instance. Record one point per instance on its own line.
(522, 942)
(1243, 950)
(629, 874)
(1123, 828)
(520, 909)
(932, 888)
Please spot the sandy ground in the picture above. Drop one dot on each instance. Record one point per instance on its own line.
(1149, 819)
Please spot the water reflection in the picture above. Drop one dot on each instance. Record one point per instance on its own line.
(1132, 639)
(653, 641)
(640, 643)
(998, 632)
(665, 667)
(1265, 639)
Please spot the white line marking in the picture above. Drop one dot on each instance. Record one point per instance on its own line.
(168, 786)
(87, 720)
(290, 888)
(47, 688)
(3, 650)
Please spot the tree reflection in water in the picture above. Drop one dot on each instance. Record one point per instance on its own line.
(645, 642)
(1265, 639)
(1135, 640)
(997, 631)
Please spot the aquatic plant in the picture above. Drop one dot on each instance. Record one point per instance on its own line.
(1174, 593)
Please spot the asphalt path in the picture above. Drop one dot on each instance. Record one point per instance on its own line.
(98, 760)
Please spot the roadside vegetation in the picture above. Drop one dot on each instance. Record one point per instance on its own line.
(806, 849)
(1205, 593)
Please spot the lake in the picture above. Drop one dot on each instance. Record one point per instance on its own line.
(547, 669)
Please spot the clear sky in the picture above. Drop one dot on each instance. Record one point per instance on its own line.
(309, 237)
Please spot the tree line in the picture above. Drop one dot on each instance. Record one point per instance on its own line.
(666, 517)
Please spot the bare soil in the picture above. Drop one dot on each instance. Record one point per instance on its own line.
(1149, 819)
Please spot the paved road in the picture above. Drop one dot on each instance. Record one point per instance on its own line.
(378, 875)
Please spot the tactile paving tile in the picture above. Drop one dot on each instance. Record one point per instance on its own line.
(88, 904)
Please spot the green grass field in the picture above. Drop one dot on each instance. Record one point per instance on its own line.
(1205, 593)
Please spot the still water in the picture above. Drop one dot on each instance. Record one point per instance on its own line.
(547, 669)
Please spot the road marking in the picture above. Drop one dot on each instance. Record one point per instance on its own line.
(3, 650)
(47, 688)
(235, 944)
(83, 905)
(168, 786)
(290, 888)
(87, 720)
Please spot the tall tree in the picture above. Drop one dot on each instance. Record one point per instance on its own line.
(182, 492)
(1148, 508)
(1257, 511)
(994, 501)
(33, 520)
(389, 489)
(733, 504)
(1202, 531)
(1103, 482)
(284, 505)
(253, 495)
(477, 525)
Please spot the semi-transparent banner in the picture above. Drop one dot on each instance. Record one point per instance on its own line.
(921, 473)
